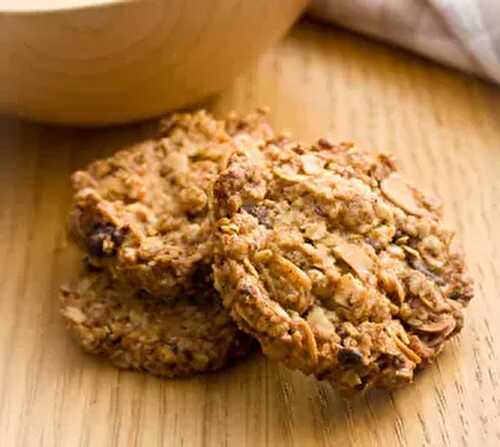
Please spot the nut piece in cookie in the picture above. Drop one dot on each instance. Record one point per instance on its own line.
(143, 213)
(190, 336)
(335, 264)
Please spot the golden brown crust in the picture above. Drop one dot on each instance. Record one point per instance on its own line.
(191, 335)
(143, 213)
(335, 264)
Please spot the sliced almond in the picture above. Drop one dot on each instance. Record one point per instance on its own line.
(420, 348)
(349, 291)
(436, 264)
(412, 251)
(398, 192)
(152, 245)
(289, 175)
(311, 164)
(429, 304)
(309, 341)
(410, 354)
(290, 270)
(443, 324)
(393, 285)
(74, 314)
(228, 228)
(317, 318)
(396, 331)
(357, 256)
(315, 231)
(263, 255)
(288, 284)
(243, 141)
(178, 162)
(255, 156)
(250, 268)
(142, 213)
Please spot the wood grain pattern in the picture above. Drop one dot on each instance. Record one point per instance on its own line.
(445, 129)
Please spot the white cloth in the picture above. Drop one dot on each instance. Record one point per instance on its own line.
(461, 33)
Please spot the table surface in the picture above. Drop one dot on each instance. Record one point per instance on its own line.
(445, 129)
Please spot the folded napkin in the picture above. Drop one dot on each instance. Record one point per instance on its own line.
(462, 33)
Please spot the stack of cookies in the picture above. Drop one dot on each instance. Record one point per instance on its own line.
(221, 234)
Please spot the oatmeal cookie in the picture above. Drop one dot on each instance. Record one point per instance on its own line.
(335, 264)
(191, 335)
(142, 213)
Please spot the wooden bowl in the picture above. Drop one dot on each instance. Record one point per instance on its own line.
(92, 62)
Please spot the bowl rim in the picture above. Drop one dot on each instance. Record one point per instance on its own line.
(48, 6)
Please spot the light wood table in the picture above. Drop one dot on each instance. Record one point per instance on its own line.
(444, 127)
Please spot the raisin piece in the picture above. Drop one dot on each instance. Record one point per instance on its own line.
(241, 346)
(94, 245)
(319, 211)
(90, 267)
(260, 213)
(118, 236)
(99, 235)
(325, 143)
(349, 357)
